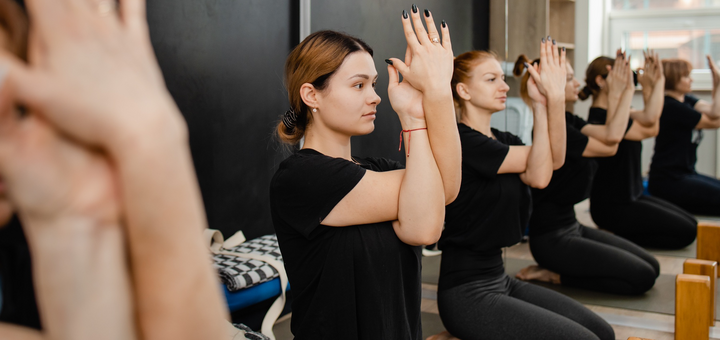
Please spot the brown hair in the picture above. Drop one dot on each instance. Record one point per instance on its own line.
(14, 22)
(598, 67)
(518, 71)
(464, 64)
(675, 69)
(313, 61)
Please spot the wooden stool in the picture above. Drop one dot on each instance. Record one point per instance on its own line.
(707, 268)
(691, 322)
(708, 242)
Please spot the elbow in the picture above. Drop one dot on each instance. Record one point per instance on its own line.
(424, 231)
(613, 140)
(452, 194)
(557, 164)
(540, 182)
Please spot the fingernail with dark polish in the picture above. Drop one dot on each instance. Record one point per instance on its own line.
(543, 40)
(405, 14)
(563, 49)
(554, 43)
(427, 13)
(444, 24)
(549, 38)
(414, 8)
(388, 61)
(526, 65)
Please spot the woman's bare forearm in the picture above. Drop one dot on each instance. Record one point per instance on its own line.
(165, 218)
(444, 139)
(540, 164)
(80, 273)
(557, 130)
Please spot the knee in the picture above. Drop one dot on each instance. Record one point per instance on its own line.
(643, 279)
(604, 331)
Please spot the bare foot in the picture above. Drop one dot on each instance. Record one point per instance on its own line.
(442, 336)
(534, 272)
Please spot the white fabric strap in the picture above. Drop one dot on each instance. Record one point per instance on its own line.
(218, 246)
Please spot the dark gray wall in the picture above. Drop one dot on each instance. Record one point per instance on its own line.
(223, 63)
(378, 23)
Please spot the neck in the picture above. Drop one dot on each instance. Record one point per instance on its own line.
(675, 94)
(327, 142)
(600, 100)
(477, 118)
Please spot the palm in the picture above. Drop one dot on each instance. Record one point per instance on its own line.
(406, 99)
(534, 92)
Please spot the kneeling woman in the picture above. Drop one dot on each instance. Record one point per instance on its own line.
(476, 299)
(569, 253)
(672, 172)
(349, 227)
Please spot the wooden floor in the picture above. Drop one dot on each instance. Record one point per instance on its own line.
(626, 323)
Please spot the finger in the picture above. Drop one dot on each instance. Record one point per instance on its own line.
(47, 16)
(29, 88)
(543, 51)
(410, 36)
(408, 56)
(393, 77)
(132, 13)
(555, 53)
(710, 61)
(533, 72)
(563, 59)
(400, 66)
(430, 23)
(422, 34)
(445, 36)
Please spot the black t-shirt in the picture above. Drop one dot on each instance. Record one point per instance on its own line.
(490, 212)
(354, 282)
(618, 178)
(676, 144)
(553, 207)
(18, 293)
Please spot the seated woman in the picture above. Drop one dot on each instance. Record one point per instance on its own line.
(672, 172)
(567, 252)
(617, 202)
(476, 298)
(350, 228)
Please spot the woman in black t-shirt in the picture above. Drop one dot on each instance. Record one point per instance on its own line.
(617, 202)
(672, 171)
(476, 299)
(569, 253)
(349, 227)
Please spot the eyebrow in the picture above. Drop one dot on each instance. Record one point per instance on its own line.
(364, 76)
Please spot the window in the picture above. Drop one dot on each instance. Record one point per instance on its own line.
(687, 29)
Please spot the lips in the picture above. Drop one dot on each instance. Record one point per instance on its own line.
(370, 114)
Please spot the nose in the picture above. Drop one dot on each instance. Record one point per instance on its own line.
(374, 98)
(576, 83)
(504, 87)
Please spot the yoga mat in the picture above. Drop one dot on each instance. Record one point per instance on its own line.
(687, 252)
(431, 325)
(659, 299)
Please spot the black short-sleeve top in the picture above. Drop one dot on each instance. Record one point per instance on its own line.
(619, 177)
(490, 212)
(354, 282)
(676, 143)
(553, 207)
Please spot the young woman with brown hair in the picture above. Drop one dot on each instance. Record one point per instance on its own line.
(569, 253)
(672, 172)
(476, 298)
(349, 227)
(617, 202)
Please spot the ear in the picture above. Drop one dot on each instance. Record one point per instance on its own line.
(601, 82)
(462, 91)
(309, 95)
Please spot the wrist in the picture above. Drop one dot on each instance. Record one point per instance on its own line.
(412, 123)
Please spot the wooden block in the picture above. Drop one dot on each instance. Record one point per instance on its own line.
(707, 268)
(708, 241)
(634, 338)
(691, 322)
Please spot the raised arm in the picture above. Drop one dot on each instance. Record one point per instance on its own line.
(552, 69)
(100, 84)
(619, 99)
(416, 196)
(711, 111)
(653, 83)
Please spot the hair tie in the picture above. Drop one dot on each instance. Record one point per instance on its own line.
(586, 90)
(290, 119)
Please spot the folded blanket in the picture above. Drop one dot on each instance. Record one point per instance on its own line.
(238, 273)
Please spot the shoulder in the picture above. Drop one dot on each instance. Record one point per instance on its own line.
(308, 167)
(507, 137)
(597, 115)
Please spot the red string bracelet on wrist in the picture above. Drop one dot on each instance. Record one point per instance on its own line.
(409, 136)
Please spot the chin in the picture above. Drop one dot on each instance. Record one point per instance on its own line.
(6, 212)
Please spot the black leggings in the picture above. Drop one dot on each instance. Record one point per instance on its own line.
(597, 260)
(647, 221)
(505, 308)
(696, 193)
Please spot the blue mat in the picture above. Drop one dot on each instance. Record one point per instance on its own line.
(250, 296)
